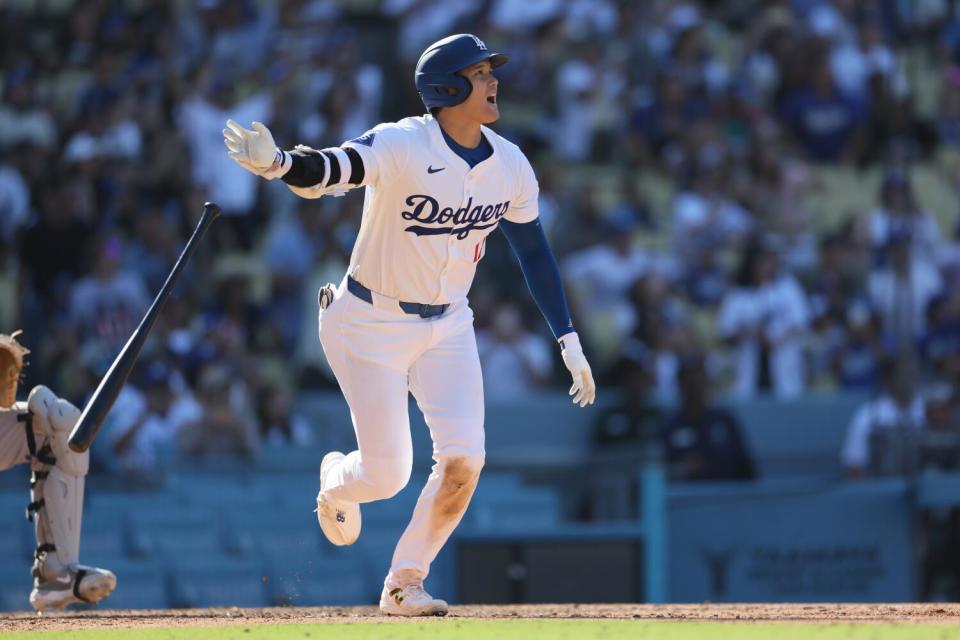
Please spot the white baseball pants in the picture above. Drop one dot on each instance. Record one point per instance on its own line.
(379, 353)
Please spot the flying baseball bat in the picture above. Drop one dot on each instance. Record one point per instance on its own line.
(103, 398)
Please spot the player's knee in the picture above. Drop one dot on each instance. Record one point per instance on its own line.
(389, 477)
(459, 476)
(462, 472)
(471, 465)
(55, 418)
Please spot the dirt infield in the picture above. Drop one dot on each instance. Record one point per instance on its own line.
(65, 621)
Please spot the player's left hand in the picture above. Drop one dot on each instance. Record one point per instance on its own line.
(583, 390)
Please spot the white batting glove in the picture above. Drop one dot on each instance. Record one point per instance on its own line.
(583, 390)
(255, 150)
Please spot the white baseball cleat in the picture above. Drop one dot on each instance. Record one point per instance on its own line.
(410, 600)
(339, 521)
(82, 585)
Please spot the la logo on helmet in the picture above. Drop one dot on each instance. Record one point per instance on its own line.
(479, 42)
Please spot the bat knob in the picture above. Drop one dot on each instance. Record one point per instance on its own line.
(76, 446)
(212, 207)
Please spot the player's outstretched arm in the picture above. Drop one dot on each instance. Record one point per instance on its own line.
(530, 245)
(309, 173)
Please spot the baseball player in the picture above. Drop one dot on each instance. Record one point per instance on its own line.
(436, 186)
(36, 432)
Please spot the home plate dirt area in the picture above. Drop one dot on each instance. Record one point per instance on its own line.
(106, 618)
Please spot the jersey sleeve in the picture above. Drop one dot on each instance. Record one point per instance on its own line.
(356, 163)
(525, 207)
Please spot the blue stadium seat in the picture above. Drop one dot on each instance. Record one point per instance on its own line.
(204, 582)
(211, 491)
(330, 579)
(375, 550)
(118, 503)
(15, 585)
(173, 532)
(524, 508)
(140, 585)
(800, 438)
(16, 538)
(100, 538)
(289, 531)
(15, 596)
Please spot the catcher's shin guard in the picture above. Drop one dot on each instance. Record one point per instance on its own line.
(56, 506)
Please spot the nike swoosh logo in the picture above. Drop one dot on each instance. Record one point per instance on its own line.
(430, 169)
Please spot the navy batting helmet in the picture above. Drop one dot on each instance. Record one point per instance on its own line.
(436, 77)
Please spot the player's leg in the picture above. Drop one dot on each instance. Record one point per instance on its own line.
(374, 382)
(56, 492)
(447, 383)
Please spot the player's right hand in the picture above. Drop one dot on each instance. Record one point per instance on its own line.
(584, 390)
(253, 150)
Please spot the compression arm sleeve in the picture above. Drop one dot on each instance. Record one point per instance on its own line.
(324, 168)
(539, 267)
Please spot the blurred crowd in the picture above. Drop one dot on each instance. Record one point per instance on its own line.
(682, 148)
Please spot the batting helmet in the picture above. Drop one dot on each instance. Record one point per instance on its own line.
(436, 77)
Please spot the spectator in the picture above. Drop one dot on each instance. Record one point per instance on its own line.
(280, 425)
(899, 213)
(14, 202)
(633, 420)
(853, 62)
(225, 427)
(201, 116)
(600, 277)
(765, 318)
(293, 245)
(857, 358)
(148, 416)
(23, 119)
(824, 121)
(896, 407)
(515, 360)
(705, 214)
(663, 115)
(107, 305)
(702, 441)
(901, 290)
(948, 113)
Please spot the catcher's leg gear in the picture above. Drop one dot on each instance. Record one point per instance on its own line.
(56, 492)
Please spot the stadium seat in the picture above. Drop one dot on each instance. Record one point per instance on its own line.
(100, 539)
(525, 508)
(201, 581)
(140, 585)
(797, 439)
(173, 532)
(330, 579)
(276, 530)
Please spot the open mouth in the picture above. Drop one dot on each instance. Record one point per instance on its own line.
(492, 99)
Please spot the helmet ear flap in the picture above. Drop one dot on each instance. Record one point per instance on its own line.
(434, 89)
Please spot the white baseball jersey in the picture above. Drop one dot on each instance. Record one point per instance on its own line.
(426, 213)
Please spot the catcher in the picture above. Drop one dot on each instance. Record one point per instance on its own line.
(36, 432)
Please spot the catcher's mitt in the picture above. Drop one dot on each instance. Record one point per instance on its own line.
(11, 367)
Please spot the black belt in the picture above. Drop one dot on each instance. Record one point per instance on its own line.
(413, 308)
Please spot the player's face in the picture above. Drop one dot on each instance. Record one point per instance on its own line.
(481, 105)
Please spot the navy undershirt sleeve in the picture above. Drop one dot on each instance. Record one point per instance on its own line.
(540, 269)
